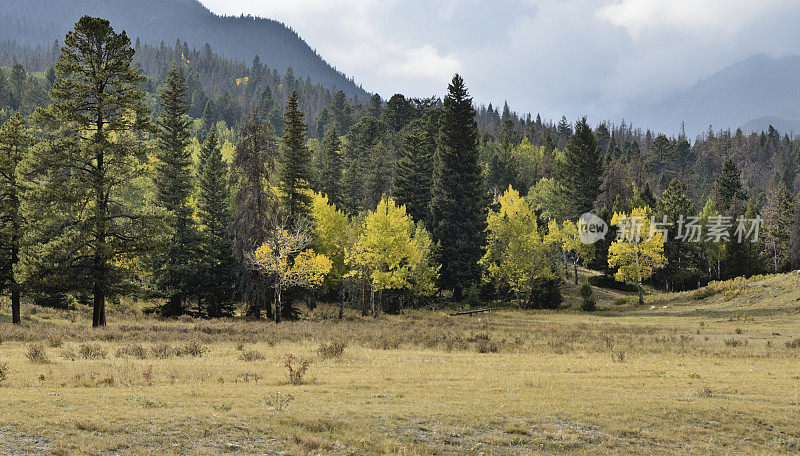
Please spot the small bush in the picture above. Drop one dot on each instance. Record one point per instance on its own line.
(486, 346)
(37, 354)
(132, 351)
(92, 351)
(333, 349)
(4, 370)
(54, 342)
(192, 348)
(793, 344)
(69, 354)
(251, 355)
(54, 301)
(588, 304)
(296, 373)
(162, 351)
(279, 401)
(545, 293)
(735, 342)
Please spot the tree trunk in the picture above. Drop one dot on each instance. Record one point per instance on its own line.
(364, 291)
(99, 310)
(16, 317)
(641, 294)
(372, 300)
(458, 294)
(101, 206)
(277, 304)
(15, 313)
(576, 272)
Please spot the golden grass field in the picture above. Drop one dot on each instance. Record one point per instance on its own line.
(715, 371)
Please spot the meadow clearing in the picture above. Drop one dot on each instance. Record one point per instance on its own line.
(714, 371)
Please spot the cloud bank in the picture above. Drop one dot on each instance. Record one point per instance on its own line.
(593, 57)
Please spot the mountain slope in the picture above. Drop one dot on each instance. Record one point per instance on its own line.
(759, 89)
(40, 22)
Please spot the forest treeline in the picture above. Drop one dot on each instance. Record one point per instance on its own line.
(116, 183)
(37, 23)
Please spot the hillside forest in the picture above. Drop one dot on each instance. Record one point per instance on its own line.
(212, 188)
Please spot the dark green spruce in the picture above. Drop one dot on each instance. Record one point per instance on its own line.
(458, 206)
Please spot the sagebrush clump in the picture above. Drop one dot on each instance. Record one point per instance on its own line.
(37, 354)
(251, 355)
(92, 351)
(330, 350)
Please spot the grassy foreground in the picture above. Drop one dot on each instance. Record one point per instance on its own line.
(715, 371)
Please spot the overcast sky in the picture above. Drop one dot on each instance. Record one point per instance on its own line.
(556, 57)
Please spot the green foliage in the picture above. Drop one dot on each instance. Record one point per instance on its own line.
(588, 303)
(175, 270)
(216, 284)
(414, 174)
(458, 206)
(545, 293)
(330, 174)
(580, 172)
(295, 158)
(15, 141)
(252, 163)
(88, 228)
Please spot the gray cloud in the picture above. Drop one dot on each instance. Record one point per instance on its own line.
(594, 57)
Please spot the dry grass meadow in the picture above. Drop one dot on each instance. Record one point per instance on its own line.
(715, 371)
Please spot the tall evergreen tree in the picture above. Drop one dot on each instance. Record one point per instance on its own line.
(684, 268)
(581, 171)
(253, 161)
(175, 271)
(414, 174)
(214, 211)
(778, 213)
(14, 144)
(81, 180)
(458, 206)
(295, 169)
(330, 175)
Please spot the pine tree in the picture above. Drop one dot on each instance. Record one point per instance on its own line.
(175, 271)
(295, 169)
(14, 144)
(397, 113)
(729, 195)
(208, 119)
(684, 267)
(330, 175)
(778, 213)
(214, 211)
(581, 171)
(458, 206)
(87, 226)
(253, 161)
(414, 173)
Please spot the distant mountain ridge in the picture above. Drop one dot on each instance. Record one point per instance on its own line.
(41, 22)
(752, 94)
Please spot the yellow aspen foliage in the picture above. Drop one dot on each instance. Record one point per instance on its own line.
(565, 240)
(393, 252)
(639, 251)
(515, 253)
